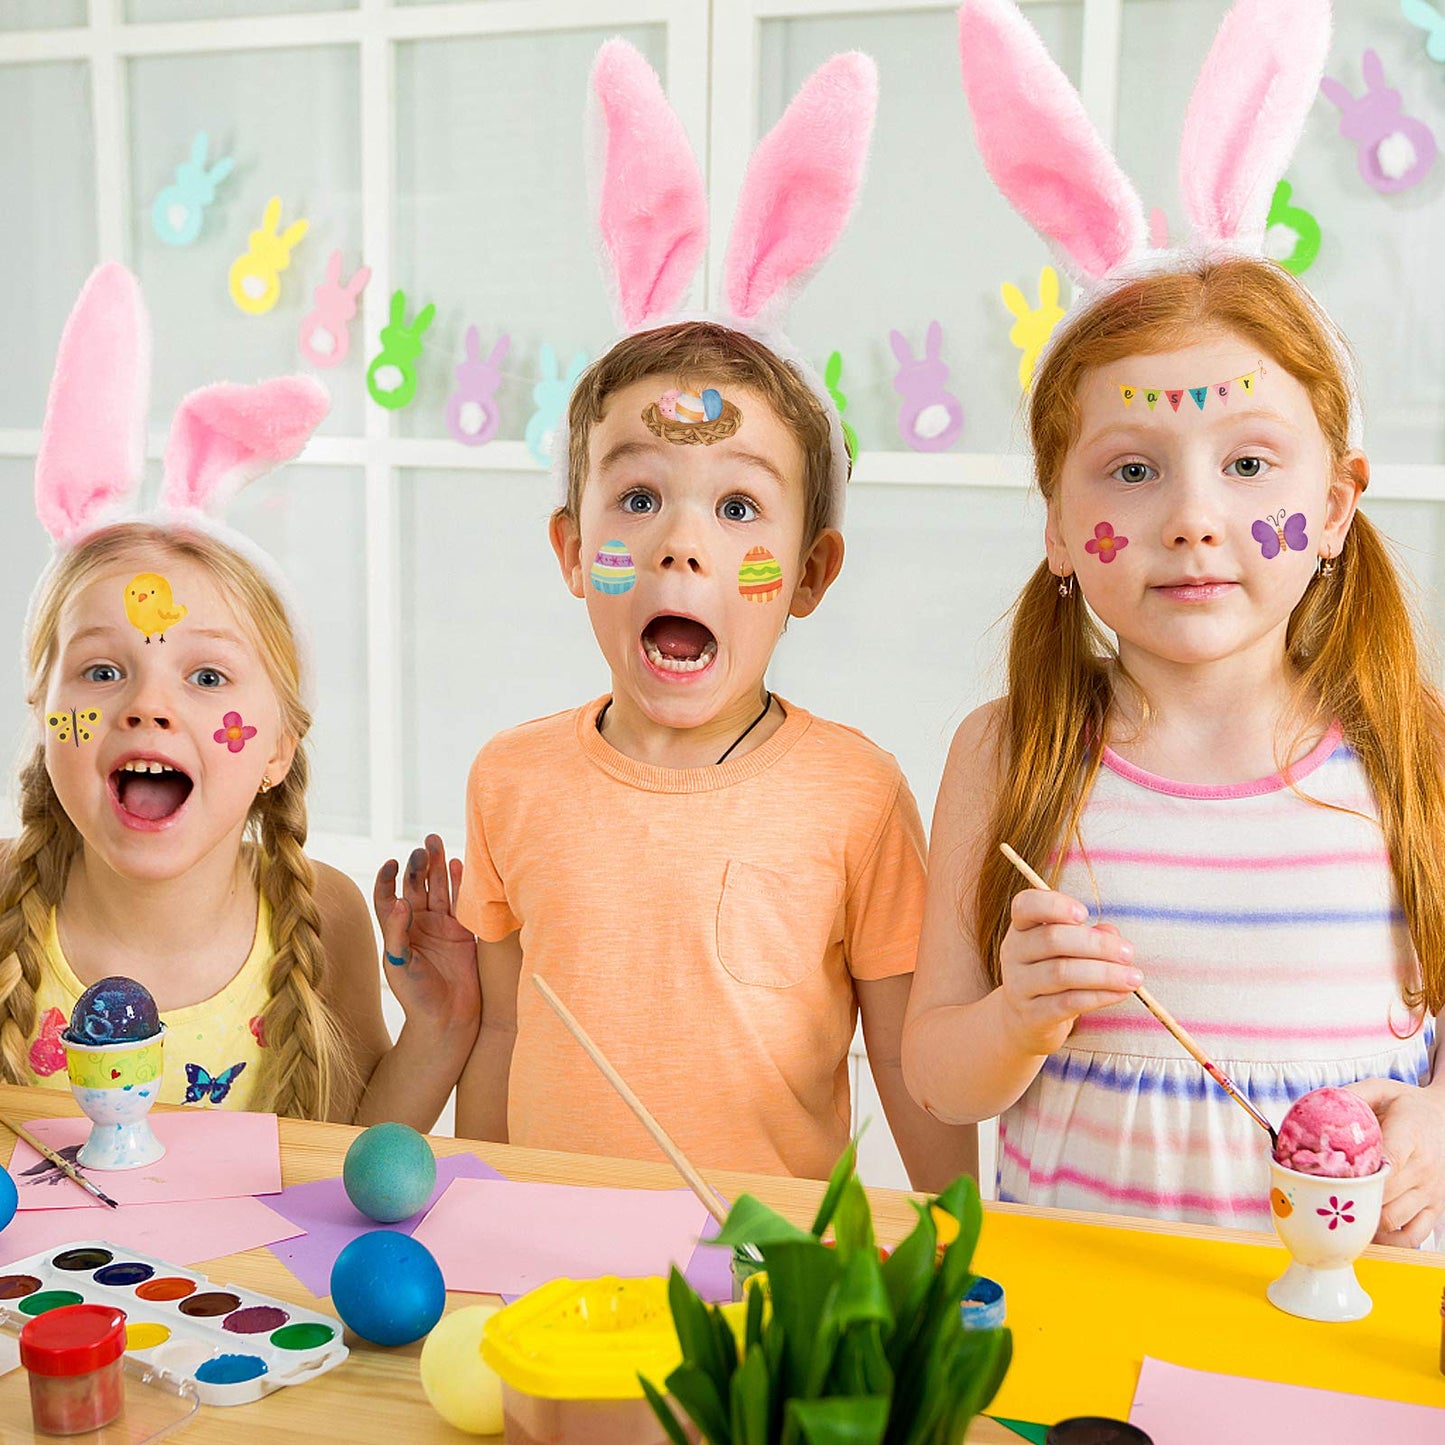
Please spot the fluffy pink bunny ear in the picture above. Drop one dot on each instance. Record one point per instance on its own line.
(651, 204)
(1246, 114)
(800, 186)
(1040, 146)
(225, 436)
(92, 445)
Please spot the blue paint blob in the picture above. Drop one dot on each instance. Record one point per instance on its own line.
(127, 1272)
(230, 1369)
(387, 1288)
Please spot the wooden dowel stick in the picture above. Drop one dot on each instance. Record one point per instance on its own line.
(1164, 1016)
(60, 1161)
(711, 1200)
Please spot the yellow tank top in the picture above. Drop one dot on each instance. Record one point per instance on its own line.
(212, 1049)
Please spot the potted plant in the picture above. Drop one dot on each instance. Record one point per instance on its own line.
(842, 1347)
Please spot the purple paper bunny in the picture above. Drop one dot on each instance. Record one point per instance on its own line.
(325, 337)
(472, 416)
(931, 417)
(1395, 150)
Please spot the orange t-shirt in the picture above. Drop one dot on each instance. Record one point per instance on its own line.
(705, 925)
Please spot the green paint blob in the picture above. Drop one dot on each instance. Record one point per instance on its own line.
(305, 1335)
(49, 1299)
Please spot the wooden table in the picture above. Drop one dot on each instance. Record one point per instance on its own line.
(376, 1395)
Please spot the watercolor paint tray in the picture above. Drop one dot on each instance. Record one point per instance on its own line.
(231, 1345)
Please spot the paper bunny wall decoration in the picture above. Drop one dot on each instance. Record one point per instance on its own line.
(179, 209)
(92, 443)
(796, 196)
(930, 417)
(472, 415)
(1395, 150)
(325, 335)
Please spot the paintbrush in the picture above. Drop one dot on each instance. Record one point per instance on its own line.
(1167, 1019)
(60, 1161)
(711, 1200)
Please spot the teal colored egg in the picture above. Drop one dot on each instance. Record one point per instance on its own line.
(389, 1173)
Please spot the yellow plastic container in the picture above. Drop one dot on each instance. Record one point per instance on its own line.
(569, 1354)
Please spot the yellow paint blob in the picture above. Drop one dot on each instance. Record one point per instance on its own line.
(144, 1335)
(462, 1388)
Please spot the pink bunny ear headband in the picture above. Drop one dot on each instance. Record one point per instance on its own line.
(1244, 120)
(92, 445)
(796, 197)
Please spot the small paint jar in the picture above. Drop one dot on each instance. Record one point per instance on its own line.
(75, 1359)
(983, 1305)
(1095, 1430)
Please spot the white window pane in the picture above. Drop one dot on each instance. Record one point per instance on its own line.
(493, 226)
(312, 521)
(909, 639)
(47, 229)
(27, 552)
(1395, 331)
(41, 14)
(150, 10)
(931, 238)
(491, 635)
(1416, 531)
(302, 145)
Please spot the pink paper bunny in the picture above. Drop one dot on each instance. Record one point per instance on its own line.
(931, 417)
(1396, 150)
(325, 337)
(472, 415)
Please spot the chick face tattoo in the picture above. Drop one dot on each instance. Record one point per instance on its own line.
(692, 418)
(150, 607)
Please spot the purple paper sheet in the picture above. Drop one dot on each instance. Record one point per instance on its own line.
(332, 1221)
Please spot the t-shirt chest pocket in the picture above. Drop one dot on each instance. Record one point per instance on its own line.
(772, 931)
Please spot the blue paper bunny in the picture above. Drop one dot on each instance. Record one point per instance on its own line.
(551, 394)
(179, 209)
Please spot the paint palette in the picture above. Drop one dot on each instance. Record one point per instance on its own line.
(231, 1345)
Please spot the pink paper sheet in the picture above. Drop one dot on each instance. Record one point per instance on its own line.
(181, 1233)
(506, 1237)
(1177, 1406)
(210, 1154)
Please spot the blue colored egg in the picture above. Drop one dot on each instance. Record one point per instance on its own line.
(9, 1198)
(114, 1011)
(387, 1288)
(390, 1172)
(711, 404)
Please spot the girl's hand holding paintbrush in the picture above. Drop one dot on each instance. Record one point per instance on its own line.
(1056, 966)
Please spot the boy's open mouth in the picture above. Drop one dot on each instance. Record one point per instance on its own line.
(678, 644)
(150, 790)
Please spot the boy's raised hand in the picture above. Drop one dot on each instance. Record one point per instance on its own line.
(1056, 966)
(431, 958)
(1412, 1129)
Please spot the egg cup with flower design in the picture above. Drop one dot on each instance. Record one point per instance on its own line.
(1324, 1223)
(116, 1084)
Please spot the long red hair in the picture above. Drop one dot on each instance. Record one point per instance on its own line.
(1351, 638)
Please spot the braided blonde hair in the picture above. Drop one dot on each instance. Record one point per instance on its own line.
(305, 1070)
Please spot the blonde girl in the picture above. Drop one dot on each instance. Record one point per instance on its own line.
(163, 811)
(1218, 741)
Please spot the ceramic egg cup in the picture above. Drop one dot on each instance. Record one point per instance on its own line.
(1324, 1223)
(115, 1084)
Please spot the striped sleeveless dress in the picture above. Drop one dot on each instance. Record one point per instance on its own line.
(1269, 926)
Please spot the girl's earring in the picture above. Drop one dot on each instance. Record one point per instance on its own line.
(1324, 565)
(1066, 585)
(266, 783)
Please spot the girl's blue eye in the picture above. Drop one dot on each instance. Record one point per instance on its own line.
(737, 509)
(639, 503)
(102, 672)
(207, 677)
(1248, 467)
(1132, 473)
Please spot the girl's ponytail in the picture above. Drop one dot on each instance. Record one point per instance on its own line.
(306, 1073)
(1058, 693)
(1354, 641)
(31, 883)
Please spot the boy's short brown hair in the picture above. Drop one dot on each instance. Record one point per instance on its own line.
(703, 351)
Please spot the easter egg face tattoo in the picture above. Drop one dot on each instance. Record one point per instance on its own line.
(688, 418)
(150, 606)
(613, 572)
(760, 578)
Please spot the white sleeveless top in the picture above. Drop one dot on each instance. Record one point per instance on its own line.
(1269, 926)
